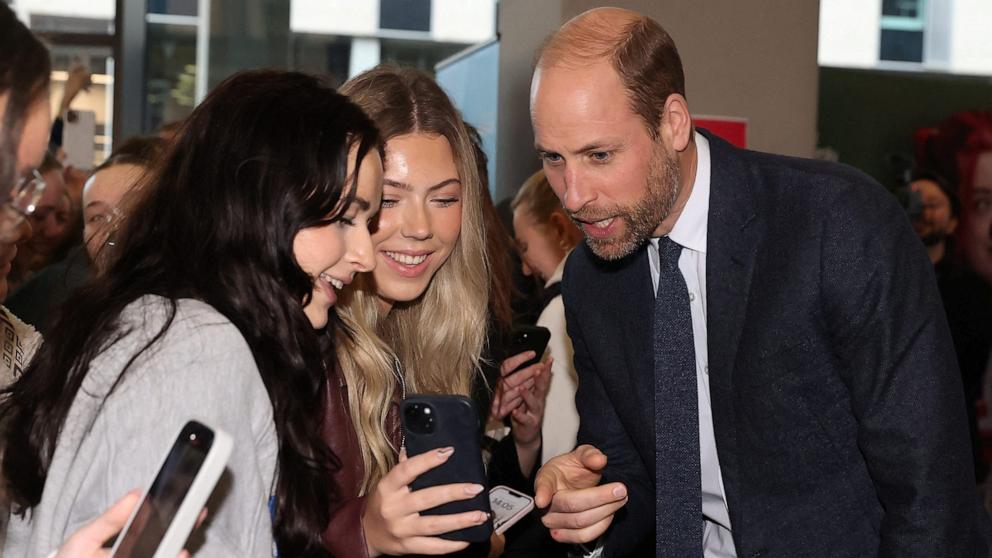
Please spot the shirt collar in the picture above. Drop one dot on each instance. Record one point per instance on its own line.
(559, 271)
(690, 229)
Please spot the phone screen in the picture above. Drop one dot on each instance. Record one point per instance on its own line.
(166, 494)
(506, 507)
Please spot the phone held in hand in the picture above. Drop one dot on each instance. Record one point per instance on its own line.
(432, 422)
(529, 338)
(78, 135)
(509, 506)
(160, 525)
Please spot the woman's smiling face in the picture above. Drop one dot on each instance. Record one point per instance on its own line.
(420, 220)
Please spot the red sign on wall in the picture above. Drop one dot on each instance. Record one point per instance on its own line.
(729, 128)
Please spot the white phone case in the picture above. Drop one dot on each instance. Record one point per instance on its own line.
(509, 506)
(78, 135)
(193, 502)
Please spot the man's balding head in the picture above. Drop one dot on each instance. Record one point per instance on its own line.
(636, 46)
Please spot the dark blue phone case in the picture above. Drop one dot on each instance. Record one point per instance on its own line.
(456, 424)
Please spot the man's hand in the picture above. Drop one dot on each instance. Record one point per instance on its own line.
(578, 509)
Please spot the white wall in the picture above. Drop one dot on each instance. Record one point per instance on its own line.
(463, 21)
(334, 17)
(971, 37)
(849, 33)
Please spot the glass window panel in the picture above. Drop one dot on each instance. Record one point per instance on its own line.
(902, 8)
(327, 55)
(171, 74)
(418, 54)
(901, 46)
(173, 7)
(409, 15)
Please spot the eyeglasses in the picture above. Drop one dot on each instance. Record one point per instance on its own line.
(23, 203)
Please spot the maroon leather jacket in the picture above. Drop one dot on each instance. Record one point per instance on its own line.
(344, 536)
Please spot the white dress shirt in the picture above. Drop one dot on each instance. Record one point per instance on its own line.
(689, 231)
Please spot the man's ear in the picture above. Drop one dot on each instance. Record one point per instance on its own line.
(952, 225)
(676, 123)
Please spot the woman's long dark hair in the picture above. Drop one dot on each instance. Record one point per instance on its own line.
(25, 68)
(264, 156)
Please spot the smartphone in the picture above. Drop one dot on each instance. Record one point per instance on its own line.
(509, 506)
(161, 523)
(529, 338)
(78, 137)
(431, 422)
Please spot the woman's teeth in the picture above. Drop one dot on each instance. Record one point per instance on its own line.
(334, 282)
(407, 259)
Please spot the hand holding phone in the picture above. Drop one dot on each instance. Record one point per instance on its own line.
(161, 523)
(509, 506)
(529, 338)
(89, 540)
(392, 521)
(439, 421)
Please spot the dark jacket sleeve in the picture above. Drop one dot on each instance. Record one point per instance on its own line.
(884, 313)
(599, 426)
(504, 468)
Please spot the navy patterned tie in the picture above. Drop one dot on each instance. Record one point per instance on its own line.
(678, 511)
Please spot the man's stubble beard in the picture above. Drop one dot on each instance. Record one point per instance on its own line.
(643, 217)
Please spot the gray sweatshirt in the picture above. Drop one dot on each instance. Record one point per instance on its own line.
(203, 369)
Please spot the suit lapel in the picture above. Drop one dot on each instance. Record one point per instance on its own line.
(732, 239)
(631, 312)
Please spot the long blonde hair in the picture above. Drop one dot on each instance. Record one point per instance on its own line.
(438, 338)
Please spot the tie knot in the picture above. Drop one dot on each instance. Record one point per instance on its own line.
(668, 252)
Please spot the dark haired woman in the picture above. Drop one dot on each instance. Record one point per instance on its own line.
(217, 308)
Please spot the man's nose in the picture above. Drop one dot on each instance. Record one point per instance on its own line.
(577, 191)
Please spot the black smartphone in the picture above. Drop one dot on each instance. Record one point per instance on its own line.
(431, 422)
(529, 338)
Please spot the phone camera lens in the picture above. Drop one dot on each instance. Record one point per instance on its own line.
(420, 418)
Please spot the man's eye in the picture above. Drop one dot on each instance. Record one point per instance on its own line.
(551, 158)
(601, 156)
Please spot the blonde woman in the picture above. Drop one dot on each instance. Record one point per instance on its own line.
(417, 325)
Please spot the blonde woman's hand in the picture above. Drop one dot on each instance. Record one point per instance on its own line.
(88, 541)
(392, 521)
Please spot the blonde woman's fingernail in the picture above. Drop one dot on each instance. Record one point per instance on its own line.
(474, 489)
(445, 453)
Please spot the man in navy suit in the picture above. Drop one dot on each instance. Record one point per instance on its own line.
(764, 365)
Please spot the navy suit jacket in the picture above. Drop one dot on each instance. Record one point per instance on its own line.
(837, 402)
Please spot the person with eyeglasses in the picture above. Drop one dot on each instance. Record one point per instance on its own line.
(25, 118)
(52, 230)
(104, 195)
